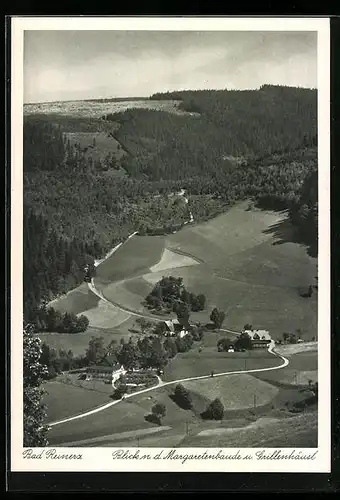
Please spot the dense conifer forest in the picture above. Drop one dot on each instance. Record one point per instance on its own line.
(236, 145)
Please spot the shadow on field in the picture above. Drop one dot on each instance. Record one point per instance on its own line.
(184, 405)
(284, 232)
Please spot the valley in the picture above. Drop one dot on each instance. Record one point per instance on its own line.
(134, 191)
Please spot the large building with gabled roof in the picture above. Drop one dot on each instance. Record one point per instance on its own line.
(259, 338)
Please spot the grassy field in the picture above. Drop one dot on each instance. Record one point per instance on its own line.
(64, 400)
(192, 363)
(76, 301)
(230, 233)
(100, 314)
(236, 392)
(135, 257)
(296, 431)
(126, 416)
(78, 342)
(105, 315)
(170, 259)
(302, 368)
(298, 348)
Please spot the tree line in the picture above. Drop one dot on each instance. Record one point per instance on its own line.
(47, 319)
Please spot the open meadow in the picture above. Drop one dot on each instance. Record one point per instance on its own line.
(134, 258)
(64, 400)
(294, 431)
(76, 301)
(79, 342)
(302, 368)
(194, 363)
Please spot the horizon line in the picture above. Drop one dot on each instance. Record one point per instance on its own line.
(125, 98)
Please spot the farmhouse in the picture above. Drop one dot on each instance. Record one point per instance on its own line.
(259, 338)
(175, 329)
(107, 369)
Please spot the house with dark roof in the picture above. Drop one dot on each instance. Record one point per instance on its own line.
(259, 338)
(108, 369)
(175, 329)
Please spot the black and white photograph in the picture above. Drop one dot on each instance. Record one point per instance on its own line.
(172, 270)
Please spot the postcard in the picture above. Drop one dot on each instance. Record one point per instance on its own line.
(170, 244)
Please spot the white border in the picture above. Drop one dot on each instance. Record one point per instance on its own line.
(100, 459)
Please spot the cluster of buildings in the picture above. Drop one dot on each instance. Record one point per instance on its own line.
(173, 328)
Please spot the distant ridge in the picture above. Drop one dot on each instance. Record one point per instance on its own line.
(103, 99)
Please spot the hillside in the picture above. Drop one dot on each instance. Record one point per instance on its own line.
(94, 172)
(245, 262)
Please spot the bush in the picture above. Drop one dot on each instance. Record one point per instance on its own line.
(184, 344)
(224, 344)
(153, 419)
(182, 397)
(159, 409)
(243, 342)
(197, 333)
(119, 392)
(217, 317)
(214, 411)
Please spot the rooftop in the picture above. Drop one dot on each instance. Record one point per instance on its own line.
(258, 334)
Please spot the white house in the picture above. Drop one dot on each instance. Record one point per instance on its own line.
(174, 328)
(107, 369)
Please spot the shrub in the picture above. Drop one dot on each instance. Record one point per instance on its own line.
(224, 344)
(182, 397)
(214, 411)
(153, 419)
(217, 317)
(243, 342)
(119, 392)
(159, 409)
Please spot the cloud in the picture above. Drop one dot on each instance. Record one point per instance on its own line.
(77, 65)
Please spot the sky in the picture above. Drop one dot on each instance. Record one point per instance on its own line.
(70, 65)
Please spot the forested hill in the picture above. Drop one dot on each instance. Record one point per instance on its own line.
(273, 118)
(90, 182)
